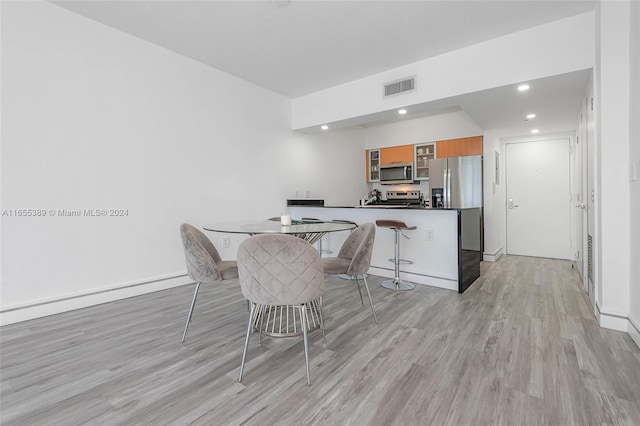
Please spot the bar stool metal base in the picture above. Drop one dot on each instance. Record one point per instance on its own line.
(396, 284)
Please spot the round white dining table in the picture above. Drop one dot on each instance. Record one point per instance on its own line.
(310, 231)
(283, 321)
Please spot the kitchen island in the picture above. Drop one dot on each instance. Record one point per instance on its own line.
(446, 249)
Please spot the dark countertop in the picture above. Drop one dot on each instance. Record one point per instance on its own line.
(385, 207)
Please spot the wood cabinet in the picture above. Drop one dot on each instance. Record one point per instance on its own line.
(419, 155)
(459, 147)
(423, 153)
(373, 165)
(390, 155)
(396, 154)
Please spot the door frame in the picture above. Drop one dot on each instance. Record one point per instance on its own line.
(582, 217)
(551, 136)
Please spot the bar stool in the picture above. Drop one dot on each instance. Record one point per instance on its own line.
(397, 226)
(320, 250)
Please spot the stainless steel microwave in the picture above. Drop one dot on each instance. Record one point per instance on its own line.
(396, 173)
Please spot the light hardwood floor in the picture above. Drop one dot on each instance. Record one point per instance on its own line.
(520, 347)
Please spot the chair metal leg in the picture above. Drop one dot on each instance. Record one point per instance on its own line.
(359, 291)
(349, 277)
(246, 340)
(324, 337)
(193, 303)
(263, 310)
(366, 286)
(303, 312)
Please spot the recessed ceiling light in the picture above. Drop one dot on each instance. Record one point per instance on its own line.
(402, 111)
(523, 87)
(530, 116)
(534, 130)
(324, 127)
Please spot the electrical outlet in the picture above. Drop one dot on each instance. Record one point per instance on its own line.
(429, 234)
(634, 170)
(226, 242)
(307, 193)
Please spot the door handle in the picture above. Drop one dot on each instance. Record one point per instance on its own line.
(510, 204)
(582, 206)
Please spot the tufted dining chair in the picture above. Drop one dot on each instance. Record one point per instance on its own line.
(204, 264)
(345, 276)
(276, 269)
(354, 259)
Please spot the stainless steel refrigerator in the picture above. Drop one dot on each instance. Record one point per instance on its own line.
(456, 183)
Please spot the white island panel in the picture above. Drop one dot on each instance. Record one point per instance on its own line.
(435, 262)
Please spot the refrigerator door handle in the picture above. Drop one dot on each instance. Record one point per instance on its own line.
(444, 187)
(447, 187)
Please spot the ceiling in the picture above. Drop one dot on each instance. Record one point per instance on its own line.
(555, 100)
(298, 47)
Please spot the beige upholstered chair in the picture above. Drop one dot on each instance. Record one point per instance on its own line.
(354, 259)
(345, 276)
(204, 264)
(278, 269)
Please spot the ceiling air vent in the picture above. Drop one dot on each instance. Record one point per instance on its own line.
(400, 86)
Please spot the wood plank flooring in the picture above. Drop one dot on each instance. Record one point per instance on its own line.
(520, 347)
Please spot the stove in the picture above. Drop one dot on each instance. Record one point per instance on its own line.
(403, 198)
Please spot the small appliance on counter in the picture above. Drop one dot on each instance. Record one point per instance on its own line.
(437, 198)
(372, 197)
(309, 202)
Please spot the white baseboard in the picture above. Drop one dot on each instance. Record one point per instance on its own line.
(612, 320)
(492, 257)
(634, 330)
(431, 280)
(70, 302)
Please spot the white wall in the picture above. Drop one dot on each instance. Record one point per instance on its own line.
(426, 129)
(613, 187)
(93, 118)
(494, 196)
(634, 155)
(554, 48)
(330, 165)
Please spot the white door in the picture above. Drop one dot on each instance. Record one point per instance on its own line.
(539, 199)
